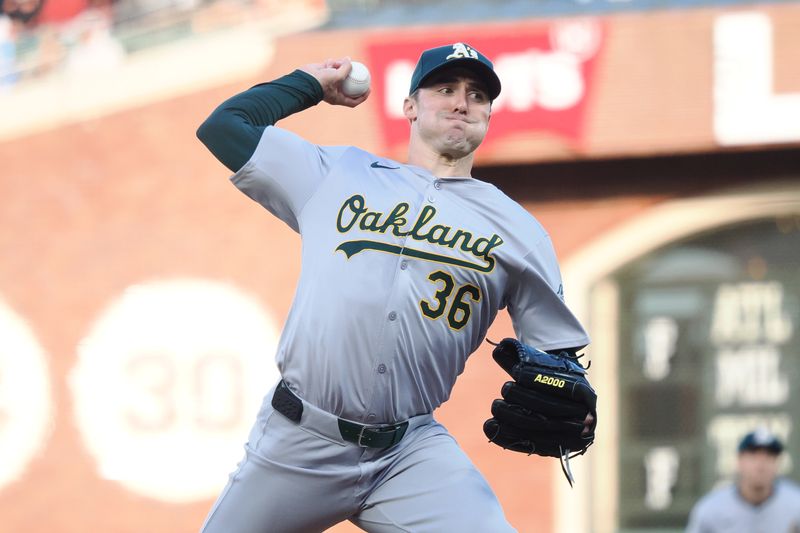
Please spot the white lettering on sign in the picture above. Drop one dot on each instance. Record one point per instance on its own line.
(26, 406)
(748, 324)
(660, 338)
(398, 81)
(750, 313)
(550, 79)
(725, 431)
(746, 108)
(751, 376)
(168, 380)
(661, 466)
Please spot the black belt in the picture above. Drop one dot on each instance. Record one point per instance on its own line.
(380, 436)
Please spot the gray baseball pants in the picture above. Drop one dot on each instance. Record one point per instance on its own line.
(303, 477)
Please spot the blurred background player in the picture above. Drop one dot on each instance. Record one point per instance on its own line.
(758, 501)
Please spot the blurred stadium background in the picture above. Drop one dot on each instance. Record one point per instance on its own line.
(141, 296)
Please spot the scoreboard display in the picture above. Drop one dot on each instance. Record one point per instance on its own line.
(708, 351)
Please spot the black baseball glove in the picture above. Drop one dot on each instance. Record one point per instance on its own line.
(543, 410)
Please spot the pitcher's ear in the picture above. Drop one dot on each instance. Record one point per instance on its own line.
(410, 108)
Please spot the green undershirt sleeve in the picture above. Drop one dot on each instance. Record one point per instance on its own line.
(233, 129)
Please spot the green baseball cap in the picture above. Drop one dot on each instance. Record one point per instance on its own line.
(458, 54)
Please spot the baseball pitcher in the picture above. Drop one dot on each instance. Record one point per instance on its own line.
(404, 268)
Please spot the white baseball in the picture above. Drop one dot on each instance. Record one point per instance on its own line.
(357, 82)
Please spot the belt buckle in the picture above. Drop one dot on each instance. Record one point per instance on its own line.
(361, 436)
(380, 429)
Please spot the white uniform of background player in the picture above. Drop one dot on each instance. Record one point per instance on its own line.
(757, 502)
(404, 268)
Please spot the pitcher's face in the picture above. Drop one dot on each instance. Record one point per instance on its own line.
(451, 112)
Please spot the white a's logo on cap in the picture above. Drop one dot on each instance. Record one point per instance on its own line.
(462, 50)
(763, 437)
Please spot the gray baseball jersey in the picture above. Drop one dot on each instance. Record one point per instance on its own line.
(402, 275)
(725, 511)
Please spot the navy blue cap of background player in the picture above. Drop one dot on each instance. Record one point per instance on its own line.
(459, 54)
(761, 439)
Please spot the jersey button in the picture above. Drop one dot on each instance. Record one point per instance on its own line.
(431, 199)
(371, 417)
(392, 315)
(381, 368)
(403, 265)
(437, 184)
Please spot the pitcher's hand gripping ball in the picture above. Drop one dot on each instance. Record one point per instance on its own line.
(357, 82)
(543, 410)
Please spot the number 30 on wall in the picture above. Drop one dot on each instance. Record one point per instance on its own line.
(168, 379)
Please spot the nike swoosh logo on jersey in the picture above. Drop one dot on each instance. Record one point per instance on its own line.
(375, 164)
